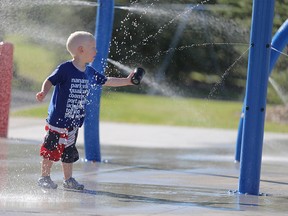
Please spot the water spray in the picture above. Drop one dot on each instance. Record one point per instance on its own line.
(138, 72)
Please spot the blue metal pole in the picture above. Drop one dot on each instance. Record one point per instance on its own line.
(256, 92)
(103, 33)
(279, 42)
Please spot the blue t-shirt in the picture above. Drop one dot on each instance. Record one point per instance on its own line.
(67, 105)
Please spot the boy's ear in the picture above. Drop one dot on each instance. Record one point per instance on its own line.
(80, 49)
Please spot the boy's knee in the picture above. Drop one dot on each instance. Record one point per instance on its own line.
(70, 154)
(51, 149)
(53, 155)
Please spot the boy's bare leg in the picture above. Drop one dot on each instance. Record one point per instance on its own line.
(45, 181)
(46, 167)
(69, 182)
(67, 170)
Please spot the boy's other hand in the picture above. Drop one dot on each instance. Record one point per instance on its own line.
(40, 96)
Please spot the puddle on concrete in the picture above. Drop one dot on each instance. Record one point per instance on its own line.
(143, 181)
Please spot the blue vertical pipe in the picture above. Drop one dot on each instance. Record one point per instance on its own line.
(279, 41)
(256, 92)
(103, 33)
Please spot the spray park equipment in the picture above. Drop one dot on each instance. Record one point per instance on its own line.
(6, 74)
(250, 131)
(279, 41)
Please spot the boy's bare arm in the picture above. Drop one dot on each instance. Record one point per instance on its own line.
(46, 86)
(116, 82)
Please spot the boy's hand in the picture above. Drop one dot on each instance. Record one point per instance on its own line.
(40, 96)
(130, 77)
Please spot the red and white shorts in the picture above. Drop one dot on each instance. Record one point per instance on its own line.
(59, 143)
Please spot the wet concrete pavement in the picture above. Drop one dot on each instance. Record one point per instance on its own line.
(156, 171)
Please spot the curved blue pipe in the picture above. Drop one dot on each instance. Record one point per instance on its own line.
(279, 41)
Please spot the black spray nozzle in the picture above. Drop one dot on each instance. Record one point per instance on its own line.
(138, 75)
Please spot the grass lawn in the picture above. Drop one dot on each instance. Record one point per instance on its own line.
(33, 62)
(144, 109)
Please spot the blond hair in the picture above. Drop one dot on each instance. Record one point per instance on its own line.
(76, 39)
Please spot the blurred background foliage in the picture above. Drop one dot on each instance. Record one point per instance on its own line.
(189, 46)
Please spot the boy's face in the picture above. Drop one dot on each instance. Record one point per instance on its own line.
(89, 51)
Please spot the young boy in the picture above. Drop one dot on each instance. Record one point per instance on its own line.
(67, 107)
